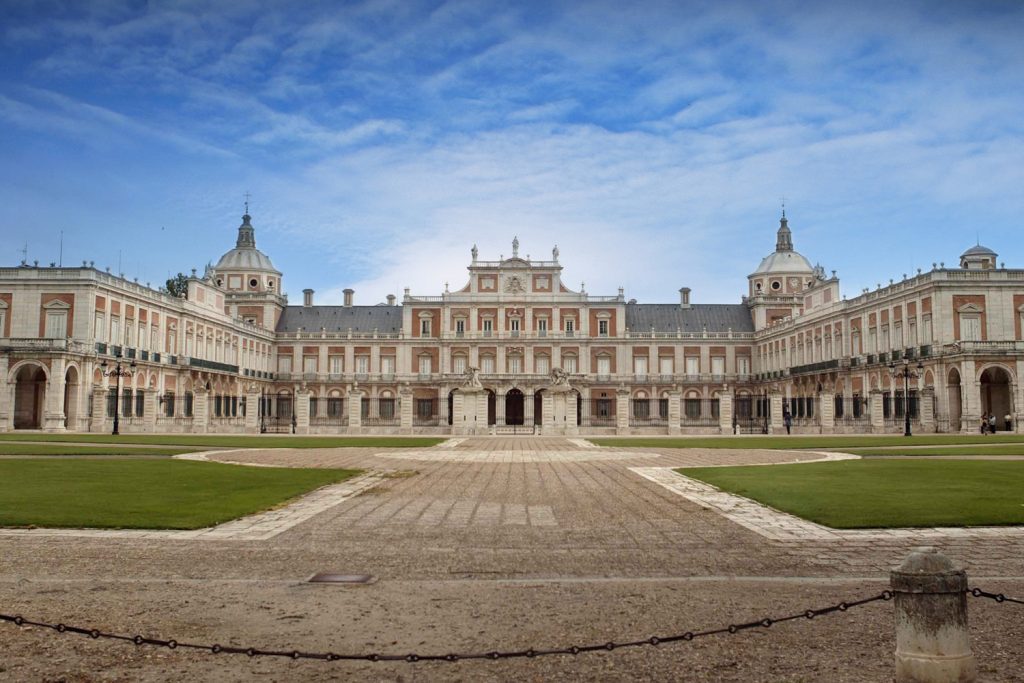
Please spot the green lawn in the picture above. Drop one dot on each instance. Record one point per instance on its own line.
(145, 494)
(798, 442)
(986, 449)
(855, 494)
(57, 449)
(241, 441)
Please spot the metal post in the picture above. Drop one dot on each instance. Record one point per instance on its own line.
(906, 403)
(117, 397)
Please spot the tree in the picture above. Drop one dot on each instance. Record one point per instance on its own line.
(178, 285)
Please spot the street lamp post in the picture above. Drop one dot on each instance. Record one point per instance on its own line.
(907, 373)
(118, 372)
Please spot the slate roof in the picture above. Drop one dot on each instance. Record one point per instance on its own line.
(341, 318)
(672, 317)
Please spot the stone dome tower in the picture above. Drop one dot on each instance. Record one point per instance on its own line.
(784, 271)
(251, 283)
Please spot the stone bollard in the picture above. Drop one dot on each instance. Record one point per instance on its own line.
(932, 644)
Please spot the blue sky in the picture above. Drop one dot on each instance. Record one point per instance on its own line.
(380, 140)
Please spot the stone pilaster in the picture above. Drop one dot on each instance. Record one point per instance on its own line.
(355, 411)
(6, 397)
(547, 409)
(302, 411)
(674, 412)
(528, 410)
(622, 411)
(971, 411)
(98, 421)
(725, 412)
(877, 414)
(150, 406)
(252, 410)
(405, 406)
(200, 410)
(827, 405)
(775, 423)
(926, 410)
(53, 413)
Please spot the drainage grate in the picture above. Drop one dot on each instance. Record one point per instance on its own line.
(329, 577)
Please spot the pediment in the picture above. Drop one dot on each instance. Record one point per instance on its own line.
(57, 305)
(970, 308)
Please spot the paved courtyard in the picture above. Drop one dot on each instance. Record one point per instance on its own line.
(484, 544)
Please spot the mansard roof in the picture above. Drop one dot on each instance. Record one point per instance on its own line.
(673, 317)
(340, 319)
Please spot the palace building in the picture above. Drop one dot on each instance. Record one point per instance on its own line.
(515, 350)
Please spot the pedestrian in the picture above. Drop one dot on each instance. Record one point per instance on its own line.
(1008, 422)
(787, 420)
(992, 423)
(984, 423)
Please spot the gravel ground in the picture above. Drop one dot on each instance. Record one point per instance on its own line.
(503, 552)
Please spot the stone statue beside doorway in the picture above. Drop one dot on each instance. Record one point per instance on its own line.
(472, 379)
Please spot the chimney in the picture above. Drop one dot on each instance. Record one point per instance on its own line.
(684, 297)
(391, 299)
(348, 297)
(307, 297)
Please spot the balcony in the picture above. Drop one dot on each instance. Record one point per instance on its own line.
(33, 344)
(212, 365)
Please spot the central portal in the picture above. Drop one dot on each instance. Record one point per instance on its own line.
(514, 408)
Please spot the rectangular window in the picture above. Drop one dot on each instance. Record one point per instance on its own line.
(337, 364)
(542, 327)
(100, 331)
(970, 328)
(665, 364)
(543, 365)
(488, 327)
(570, 327)
(926, 329)
(459, 365)
(604, 365)
(425, 327)
(154, 339)
(692, 365)
(640, 365)
(129, 328)
(362, 364)
(56, 324)
(602, 328)
(284, 364)
(743, 365)
(569, 365)
(387, 365)
(515, 364)
(897, 336)
(514, 324)
(717, 366)
(425, 365)
(460, 327)
(115, 330)
(487, 365)
(309, 364)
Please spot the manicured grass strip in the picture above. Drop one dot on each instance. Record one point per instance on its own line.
(857, 494)
(230, 441)
(145, 494)
(1004, 449)
(798, 442)
(54, 449)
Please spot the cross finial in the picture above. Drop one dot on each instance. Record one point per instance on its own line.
(247, 195)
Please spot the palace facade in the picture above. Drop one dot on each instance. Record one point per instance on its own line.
(515, 350)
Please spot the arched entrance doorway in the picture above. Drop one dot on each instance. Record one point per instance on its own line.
(71, 398)
(514, 412)
(953, 396)
(995, 393)
(29, 397)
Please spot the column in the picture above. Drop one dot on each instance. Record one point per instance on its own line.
(827, 404)
(302, 410)
(877, 416)
(547, 408)
(355, 411)
(674, 412)
(571, 415)
(725, 411)
(622, 411)
(405, 402)
(926, 409)
(200, 410)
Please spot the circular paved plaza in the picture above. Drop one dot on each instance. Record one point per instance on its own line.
(485, 544)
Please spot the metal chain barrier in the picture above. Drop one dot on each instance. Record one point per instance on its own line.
(609, 646)
(998, 597)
